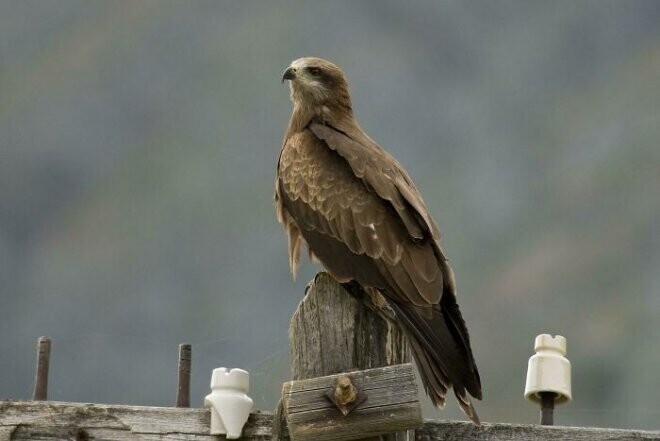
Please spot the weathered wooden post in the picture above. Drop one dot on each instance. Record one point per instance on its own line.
(332, 332)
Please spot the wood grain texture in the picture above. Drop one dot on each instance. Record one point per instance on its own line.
(332, 331)
(50, 420)
(392, 405)
(464, 431)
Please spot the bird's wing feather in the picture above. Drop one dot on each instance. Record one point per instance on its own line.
(381, 172)
(325, 195)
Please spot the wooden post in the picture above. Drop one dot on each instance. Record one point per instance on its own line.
(333, 332)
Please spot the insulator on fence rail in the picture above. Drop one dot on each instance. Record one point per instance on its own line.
(548, 375)
(229, 403)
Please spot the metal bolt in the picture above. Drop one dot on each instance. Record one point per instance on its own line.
(345, 395)
(43, 363)
(547, 408)
(183, 388)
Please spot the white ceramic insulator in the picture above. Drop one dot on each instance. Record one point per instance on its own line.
(549, 370)
(229, 403)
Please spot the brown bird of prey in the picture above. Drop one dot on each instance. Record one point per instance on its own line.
(361, 216)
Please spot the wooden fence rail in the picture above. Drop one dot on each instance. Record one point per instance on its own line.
(334, 331)
(50, 420)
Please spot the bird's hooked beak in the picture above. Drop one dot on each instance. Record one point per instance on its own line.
(289, 74)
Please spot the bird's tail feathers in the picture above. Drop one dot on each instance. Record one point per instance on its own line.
(465, 404)
(441, 348)
(433, 379)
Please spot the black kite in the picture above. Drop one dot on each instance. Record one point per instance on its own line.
(362, 217)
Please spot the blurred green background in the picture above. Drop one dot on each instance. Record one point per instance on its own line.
(137, 157)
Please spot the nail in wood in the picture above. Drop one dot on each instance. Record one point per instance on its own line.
(43, 362)
(183, 389)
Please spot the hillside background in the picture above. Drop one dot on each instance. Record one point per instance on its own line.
(138, 142)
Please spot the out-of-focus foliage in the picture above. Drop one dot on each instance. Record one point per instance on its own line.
(138, 141)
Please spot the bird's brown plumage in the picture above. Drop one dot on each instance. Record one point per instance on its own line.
(362, 217)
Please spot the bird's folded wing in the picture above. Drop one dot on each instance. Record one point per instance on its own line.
(334, 208)
(381, 172)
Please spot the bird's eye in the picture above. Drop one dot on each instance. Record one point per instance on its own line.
(314, 71)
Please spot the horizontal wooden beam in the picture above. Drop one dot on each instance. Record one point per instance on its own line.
(464, 431)
(383, 400)
(50, 420)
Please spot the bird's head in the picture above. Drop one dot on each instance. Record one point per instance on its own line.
(317, 82)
